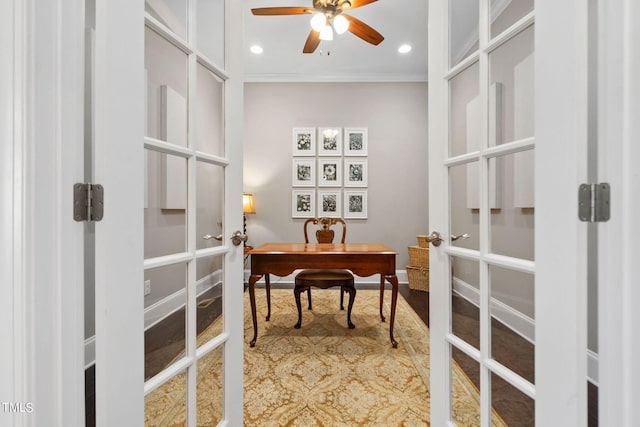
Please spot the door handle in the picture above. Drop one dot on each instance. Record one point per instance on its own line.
(460, 236)
(210, 236)
(237, 237)
(434, 238)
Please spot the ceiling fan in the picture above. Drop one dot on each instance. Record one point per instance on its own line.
(328, 13)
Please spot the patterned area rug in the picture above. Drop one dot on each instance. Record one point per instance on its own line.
(323, 374)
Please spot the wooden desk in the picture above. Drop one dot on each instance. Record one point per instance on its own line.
(363, 259)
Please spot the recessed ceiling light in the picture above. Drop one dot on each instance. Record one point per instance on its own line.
(405, 48)
(256, 49)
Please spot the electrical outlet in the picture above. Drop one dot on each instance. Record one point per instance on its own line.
(147, 287)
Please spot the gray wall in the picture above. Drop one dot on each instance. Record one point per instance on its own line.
(396, 117)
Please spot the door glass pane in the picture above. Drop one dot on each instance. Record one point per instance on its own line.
(465, 389)
(209, 278)
(209, 204)
(165, 224)
(166, 405)
(465, 204)
(209, 392)
(506, 13)
(512, 225)
(511, 407)
(512, 88)
(513, 320)
(463, 29)
(210, 27)
(164, 317)
(464, 128)
(209, 113)
(166, 71)
(465, 300)
(171, 13)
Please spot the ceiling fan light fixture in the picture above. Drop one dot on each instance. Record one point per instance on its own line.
(326, 33)
(340, 24)
(318, 21)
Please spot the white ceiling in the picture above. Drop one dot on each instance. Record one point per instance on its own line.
(347, 57)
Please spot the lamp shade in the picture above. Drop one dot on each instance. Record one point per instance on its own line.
(247, 204)
(340, 24)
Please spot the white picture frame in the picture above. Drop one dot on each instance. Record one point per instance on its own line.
(355, 204)
(355, 142)
(329, 172)
(329, 141)
(304, 172)
(355, 172)
(304, 141)
(329, 203)
(303, 203)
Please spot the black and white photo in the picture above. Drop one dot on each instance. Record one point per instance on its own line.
(355, 204)
(355, 172)
(329, 172)
(304, 172)
(329, 203)
(303, 203)
(304, 141)
(355, 142)
(330, 141)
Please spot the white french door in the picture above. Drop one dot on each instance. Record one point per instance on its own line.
(486, 150)
(168, 151)
(492, 177)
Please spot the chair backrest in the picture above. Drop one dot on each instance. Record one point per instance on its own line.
(324, 234)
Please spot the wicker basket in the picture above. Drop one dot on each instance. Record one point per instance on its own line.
(418, 257)
(422, 241)
(418, 278)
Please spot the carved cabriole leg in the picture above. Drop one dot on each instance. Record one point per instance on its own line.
(252, 298)
(267, 286)
(393, 279)
(381, 296)
(352, 297)
(296, 292)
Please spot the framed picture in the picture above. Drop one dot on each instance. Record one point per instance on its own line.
(303, 203)
(355, 142)
(329, 203)
(355, 204)
(329, 142)
(355, 172)
(304, 141)
(330, 172)
(304, 172)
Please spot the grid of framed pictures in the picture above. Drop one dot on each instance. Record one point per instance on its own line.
(329, 172)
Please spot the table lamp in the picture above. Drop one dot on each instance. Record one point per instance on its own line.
(247, 208)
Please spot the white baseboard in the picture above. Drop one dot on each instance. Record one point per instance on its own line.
(159, 311)
(519, 323)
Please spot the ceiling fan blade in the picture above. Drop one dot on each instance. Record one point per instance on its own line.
(312, 42)
(359, 3)
(268, 11)
(363, 31)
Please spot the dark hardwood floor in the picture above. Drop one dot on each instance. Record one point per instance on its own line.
(509, 348)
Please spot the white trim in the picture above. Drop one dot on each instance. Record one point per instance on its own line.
(162, 309)
(518, 322)
(313, 78)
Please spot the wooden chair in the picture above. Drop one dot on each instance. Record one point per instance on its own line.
(325, 278)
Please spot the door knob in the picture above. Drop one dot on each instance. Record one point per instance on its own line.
(434, 238)
(237, 237)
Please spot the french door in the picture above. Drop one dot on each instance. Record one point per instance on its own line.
(483, 164)
(505, 167)
(168, 151)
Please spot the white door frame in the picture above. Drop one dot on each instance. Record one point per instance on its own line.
(619, 251)
(561, 239)
(41, 158)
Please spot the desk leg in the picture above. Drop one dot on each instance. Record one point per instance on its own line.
(393, 279)
(267, 286)
(381, 296)
(252, 297)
